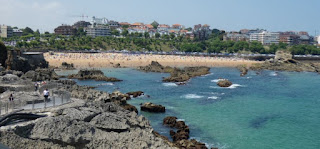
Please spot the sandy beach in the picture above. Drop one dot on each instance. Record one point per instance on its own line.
(105, 60)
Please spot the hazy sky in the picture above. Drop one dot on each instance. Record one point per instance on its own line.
(230, 15)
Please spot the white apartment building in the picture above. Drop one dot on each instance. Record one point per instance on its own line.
(6, 31)
(318, 40)
(266, 38)
(98, 30)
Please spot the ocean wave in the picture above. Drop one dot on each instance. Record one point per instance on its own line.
(104, 84)
(169, 84)
(216, 80)
(213, 97)
(273, 74)
(192, 96)
(249, 77)
(234, 86)
(231, 87)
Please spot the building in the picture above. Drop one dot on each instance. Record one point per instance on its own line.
(137, 24)
(98, 31)
(6, 31)
(202, 32)
(99, 21)
(266, 38)
(163, 27)
(251, 31)
(290, 38)
(124, 24)
(234, 36)
(65, 30)
(17, 32)
(318, 40)
(113, 24)
(81, 24)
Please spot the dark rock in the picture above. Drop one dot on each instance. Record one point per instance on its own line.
(150, 107)
(3, 54)
(224, 83)
(130, 107)
(67, 66)
(135, 94)
(41, 75)
(23, 62)
(170, 121)
(97, 75)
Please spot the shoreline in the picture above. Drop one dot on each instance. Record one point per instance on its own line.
(109, 60)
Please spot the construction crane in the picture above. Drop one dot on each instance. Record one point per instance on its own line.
(81, 16)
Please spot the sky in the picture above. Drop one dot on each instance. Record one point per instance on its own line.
(229, 15)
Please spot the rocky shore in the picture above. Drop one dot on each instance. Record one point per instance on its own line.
(176, 74)
(284, 61)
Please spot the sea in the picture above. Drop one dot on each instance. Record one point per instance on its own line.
(264, 110)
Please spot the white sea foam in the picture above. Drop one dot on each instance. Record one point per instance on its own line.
(213, 97)
(231, 87)
(169, 84)
(249, 77)
(273, 74)
(104, 84)
(192, 96)
(234, 86)
(216, 80)
(180, 120)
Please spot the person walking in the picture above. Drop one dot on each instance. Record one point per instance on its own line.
(46, 94)
(36, 86)
(11, 97)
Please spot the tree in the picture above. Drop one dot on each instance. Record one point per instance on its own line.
(27, 31)
(80, 32)
(146, 35)
(157, 35)
(155, 24)
(172, 35)
(125, 32)
(256, 47)
(115, 32)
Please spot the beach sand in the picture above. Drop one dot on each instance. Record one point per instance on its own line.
(108, 60)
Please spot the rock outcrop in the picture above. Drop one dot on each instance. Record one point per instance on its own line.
(224, 83)
(180, 138)
(67, 66)
(41, 75)
(150, 107)
(97, 75)
(283, 62)
(3, 54)
(243, 70)
(24, 62)
(176, 74)
(135, 94)
(90, 125)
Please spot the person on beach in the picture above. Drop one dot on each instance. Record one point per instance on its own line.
(11, 97)
(46, 94)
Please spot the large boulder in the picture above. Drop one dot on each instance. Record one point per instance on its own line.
(41, 75)
(150, 107)
(224, 83)
(3, 54)
(243, 70)
(97, 75)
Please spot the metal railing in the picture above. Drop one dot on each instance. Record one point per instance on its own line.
(56, 98)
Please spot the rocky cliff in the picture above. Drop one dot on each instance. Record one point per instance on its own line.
(3, 54)
(25, 62)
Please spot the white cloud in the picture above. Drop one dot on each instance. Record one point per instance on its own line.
(43, 15)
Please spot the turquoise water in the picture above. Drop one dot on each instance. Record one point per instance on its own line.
(267, 111)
